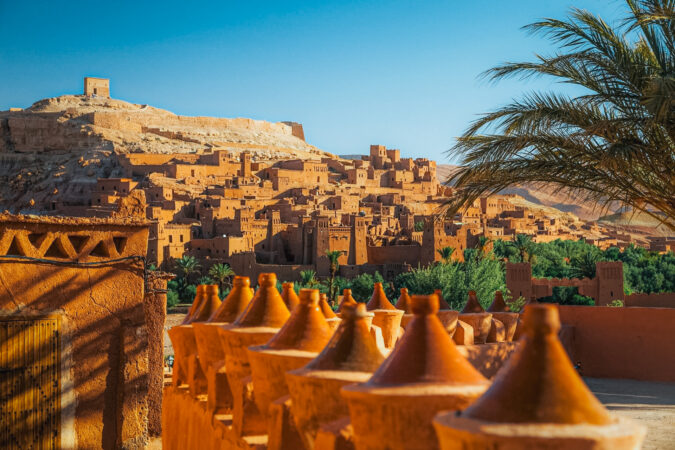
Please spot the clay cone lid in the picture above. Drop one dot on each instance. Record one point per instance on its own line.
(327, 311)
(306, 329)
(235, 303)
(538, 384)
(196, 303)
(290, 297)
(403, 301)
(442, 304)
(472, 304)
(209, 304)
(498, 304)
(347, 299)
(352, 347)
(266, 308)
(425, 353)
(379, 299)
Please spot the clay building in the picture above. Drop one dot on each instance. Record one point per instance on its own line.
(98, 87)
(81, 332)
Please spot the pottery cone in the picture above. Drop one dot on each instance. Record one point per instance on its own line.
(196, 303)
(442, 304)
(472, 304)
(379, 299)
(347, 299)
(235, 303)
(306, 329)
(403, 301)
(209, 305)
(352, 347)
(266, 308)
(538, 384)
(327, 311)
(498, 304)
(288, 294)
(425, 353)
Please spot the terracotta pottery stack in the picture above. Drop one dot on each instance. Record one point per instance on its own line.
(262, 319)
(537, 401)
(196, 302)
(350, 357)
(347, 299)
(424, 374)
(183, 336)
(474, 315)
(447, 316)
(387, 317)
(501, 312)
(288, 294)
(209, 347)
(403, 303)
(299, 341)
(328, 313)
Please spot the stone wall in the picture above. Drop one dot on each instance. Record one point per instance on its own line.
(662, 300)
(90, 274)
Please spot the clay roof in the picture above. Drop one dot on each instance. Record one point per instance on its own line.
(267, 308)
(236, 301)
(538, 384)
(352, 347)
(425, 353)
(208, 305)
(306, 329)
(327, 311)
(347, 299)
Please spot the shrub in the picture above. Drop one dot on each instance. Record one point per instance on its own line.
(172, 299)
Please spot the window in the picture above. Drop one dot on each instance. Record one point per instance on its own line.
(170, 239)
(181, 238)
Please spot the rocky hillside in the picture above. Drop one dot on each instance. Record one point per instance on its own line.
(60, 145)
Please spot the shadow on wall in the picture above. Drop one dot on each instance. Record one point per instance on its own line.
(103, 353)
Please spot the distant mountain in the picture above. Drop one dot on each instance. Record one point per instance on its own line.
(546, 196)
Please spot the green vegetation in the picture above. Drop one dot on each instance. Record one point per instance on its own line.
(612, 143)
(446, 254)
(567, 295)
(222, 274)
(333, 257)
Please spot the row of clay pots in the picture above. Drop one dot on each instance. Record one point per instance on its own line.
(537, 399)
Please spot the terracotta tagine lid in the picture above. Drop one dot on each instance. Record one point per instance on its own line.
(327, 311)
(347, 299)
(403, 301)
(290, 297)
(472, 304)
(306, 329)
(498, 304)
(379, 299)
(236, 301)
(210, 303)
(352, 347)
(425, 353)
(442, 304)
(538, 384)
(266, 308)
(196, 302)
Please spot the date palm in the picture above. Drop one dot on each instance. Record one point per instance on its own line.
(333, 257)
(524, 246)
(187, 265)
(446, 254)
(221, 273)
(613, 143)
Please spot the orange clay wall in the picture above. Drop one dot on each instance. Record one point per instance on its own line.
(633, 343)
(105, 368)
(664, 300)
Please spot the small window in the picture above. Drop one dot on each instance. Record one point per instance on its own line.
(170, 239)
(181, 238)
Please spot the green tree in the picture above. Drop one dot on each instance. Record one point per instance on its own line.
(523, 245)
(221, 273)
(583, 265)
(446, 254)
(615, 142)
(187, 266)
(482, 246)
(419, 226)
(205, 280)
(308, 278)
(333, 257)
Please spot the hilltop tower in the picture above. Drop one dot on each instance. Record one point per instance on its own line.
(97, 87)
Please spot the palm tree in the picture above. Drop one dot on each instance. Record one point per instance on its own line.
(613, 143)
(446, 254)
(187, 265)
(333, 257)
(419, 226)
(205, 280)
(481, 245)
(583, 266)
(222, 273)
(308, 278)
(524, 246)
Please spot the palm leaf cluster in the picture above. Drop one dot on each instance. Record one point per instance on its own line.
(615, 142)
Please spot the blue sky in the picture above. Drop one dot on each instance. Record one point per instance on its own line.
(399, 73)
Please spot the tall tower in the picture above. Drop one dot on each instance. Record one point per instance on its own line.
(609, 276)
(358, 250)
(432, 240)
(245, 171)
(321, 245)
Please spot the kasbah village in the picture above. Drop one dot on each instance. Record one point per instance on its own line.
(183, 282)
